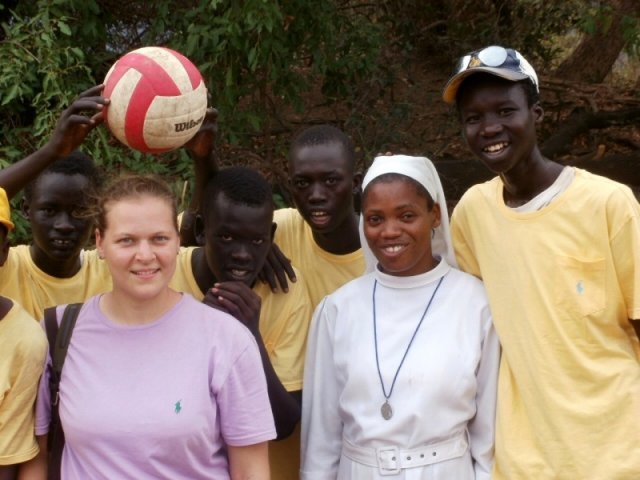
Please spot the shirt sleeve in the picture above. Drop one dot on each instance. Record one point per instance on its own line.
(482, 427)
(43, 401)
(624, 214)
(286, 353)
(26, 359)
(321, 440)
(461, 243)
(243, 401)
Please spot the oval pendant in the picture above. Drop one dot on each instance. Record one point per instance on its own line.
(386, 410)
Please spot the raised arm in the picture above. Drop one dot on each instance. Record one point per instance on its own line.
(201, 148)
(75, 123)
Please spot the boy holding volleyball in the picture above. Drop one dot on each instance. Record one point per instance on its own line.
(55, 269)
(559, 251)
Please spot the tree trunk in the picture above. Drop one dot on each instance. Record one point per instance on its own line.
(596, 53)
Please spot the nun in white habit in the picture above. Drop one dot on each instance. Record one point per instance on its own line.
(402, 363)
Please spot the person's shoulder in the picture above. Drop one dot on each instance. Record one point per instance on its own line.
(287, 217)
(479, 190)
(24, 332)
(19, 253)
(208, 319)
(470, 288)
(467, 281)
(599, 190)
(92, 262)
(599, 185)
(352, 290)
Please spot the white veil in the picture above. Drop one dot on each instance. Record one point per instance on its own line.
(422, 171)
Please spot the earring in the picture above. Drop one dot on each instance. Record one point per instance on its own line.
(433, 233)
(100, 255)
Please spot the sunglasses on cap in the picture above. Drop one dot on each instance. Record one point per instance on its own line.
(503, 62)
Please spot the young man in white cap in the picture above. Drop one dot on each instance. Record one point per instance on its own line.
(559, 251)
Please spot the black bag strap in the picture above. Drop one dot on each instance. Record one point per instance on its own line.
(59, 339)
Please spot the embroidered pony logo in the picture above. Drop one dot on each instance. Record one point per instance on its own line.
(178, 406)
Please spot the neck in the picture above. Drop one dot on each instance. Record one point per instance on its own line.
(66, 268)
(528, 179)
(124, 310)
(201, 272)
(343, 240)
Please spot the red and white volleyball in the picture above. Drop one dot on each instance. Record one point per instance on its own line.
(158, 99)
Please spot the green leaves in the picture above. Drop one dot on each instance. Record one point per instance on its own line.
(257, 57)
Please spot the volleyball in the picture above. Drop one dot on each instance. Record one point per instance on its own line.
(158, 99)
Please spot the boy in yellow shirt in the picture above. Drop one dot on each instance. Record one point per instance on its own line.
(320, 235)
(559, 252)
(23, 347)
(55, 269)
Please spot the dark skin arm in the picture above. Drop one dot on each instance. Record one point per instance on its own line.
(205, 166)
(237, 299)
(8, 472)
(36, 468)
(73, 126)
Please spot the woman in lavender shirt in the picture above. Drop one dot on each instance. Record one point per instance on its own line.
(155, 384)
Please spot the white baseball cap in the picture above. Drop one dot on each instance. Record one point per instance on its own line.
(503, 62)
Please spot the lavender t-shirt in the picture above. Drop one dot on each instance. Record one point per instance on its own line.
(159, 400)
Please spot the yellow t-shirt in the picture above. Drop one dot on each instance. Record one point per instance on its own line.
(284, 323)
(324, 271)
(23, 348)
(563, 283)
(22, 281)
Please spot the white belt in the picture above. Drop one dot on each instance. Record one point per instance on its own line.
(390, 460)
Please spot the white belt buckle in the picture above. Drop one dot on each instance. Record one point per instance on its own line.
(388, 460)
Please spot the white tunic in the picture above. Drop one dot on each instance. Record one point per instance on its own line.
(446, 388)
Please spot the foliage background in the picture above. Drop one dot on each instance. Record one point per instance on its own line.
(273, 67)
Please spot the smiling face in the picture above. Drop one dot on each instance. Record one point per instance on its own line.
(139, 243)
(323, 184)
(397, 226)
(237, 239)
(498, 124)
(59, 233)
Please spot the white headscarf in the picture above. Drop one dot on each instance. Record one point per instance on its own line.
(422, 171)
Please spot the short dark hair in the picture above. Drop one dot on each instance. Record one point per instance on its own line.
(530, 90)
(393, 177)
(323, 135)
(76, 163)
(239, 184)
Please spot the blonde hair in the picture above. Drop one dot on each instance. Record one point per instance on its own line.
(132, 186)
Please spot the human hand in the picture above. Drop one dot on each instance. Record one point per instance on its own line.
(202, 144)
(238, 300)
(75, 123)
(276, 269)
